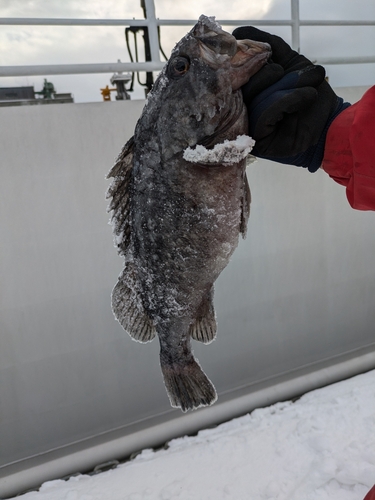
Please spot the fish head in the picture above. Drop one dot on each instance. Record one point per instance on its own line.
(208, 46)
(197, 98)
(219, 49)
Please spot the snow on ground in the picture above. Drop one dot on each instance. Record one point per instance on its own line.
(321, 447)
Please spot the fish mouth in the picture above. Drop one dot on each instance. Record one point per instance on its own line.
(250, 57)
(249, 49)
(220, 49)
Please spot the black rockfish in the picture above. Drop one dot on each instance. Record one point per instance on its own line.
(180, 199)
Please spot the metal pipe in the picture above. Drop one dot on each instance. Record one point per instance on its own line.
(41, 21)
(295, 24)
(336, 23)
(79, 69)
(82, 69)
(345, 60)
(152, 30)
(24, 21)
(226, 22)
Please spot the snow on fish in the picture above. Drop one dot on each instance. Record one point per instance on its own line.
(179, 200)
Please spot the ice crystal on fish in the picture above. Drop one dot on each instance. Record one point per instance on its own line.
(227, 152)
(210, 22)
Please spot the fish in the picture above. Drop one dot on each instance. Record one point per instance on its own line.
(179, 199)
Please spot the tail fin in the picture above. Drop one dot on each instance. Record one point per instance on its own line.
(187, 385)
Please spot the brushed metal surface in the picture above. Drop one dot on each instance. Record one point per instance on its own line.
(298, 291)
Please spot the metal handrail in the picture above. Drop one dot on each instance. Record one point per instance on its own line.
(152, 23)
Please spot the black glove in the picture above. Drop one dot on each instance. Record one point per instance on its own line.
(290, 105)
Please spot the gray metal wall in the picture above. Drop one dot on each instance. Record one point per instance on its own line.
(297, 297)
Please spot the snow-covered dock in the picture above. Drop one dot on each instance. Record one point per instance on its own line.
(320, 447)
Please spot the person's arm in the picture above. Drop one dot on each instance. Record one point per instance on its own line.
(349, 154)
(296, 118)
(370, 495)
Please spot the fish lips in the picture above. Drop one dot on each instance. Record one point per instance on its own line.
(250, 57)
(243, 58)
(220, 49)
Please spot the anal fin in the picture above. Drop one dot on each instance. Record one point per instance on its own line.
(128, 309)
(204, 327)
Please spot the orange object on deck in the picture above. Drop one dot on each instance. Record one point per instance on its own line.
(106, 93)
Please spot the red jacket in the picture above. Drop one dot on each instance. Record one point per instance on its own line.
(370, 495)
(349, 158)
(349, 154)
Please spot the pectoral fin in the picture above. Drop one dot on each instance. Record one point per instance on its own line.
(128, 309)
(204, 327)
(245, 208)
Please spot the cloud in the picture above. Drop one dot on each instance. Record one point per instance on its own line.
(63, 45)
(23, 45)
(71, 8)
(336, 9)
(170, 9)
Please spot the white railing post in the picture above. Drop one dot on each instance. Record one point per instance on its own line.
(295, 25)
(152, 30)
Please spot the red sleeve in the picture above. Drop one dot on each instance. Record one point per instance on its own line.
(349, 154)
(370, 495)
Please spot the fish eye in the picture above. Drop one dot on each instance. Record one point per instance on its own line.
(180, 66)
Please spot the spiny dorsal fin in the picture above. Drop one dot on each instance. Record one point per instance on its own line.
(119, 195)
(128, 309)
(204, 327)
(121, 163)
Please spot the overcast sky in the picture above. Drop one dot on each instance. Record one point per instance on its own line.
(24, 45)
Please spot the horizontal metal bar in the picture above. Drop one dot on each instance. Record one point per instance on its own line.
(41, 21)
(336, 23)
(345, 60)
(226, 22)
(79, 69)
(82, 69)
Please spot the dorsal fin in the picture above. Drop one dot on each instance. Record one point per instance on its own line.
(119, 195)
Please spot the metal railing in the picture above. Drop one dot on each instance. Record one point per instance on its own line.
(152, 23)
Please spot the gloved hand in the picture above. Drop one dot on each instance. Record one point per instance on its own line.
(290, 105)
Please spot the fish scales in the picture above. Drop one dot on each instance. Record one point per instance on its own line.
(177, 219)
